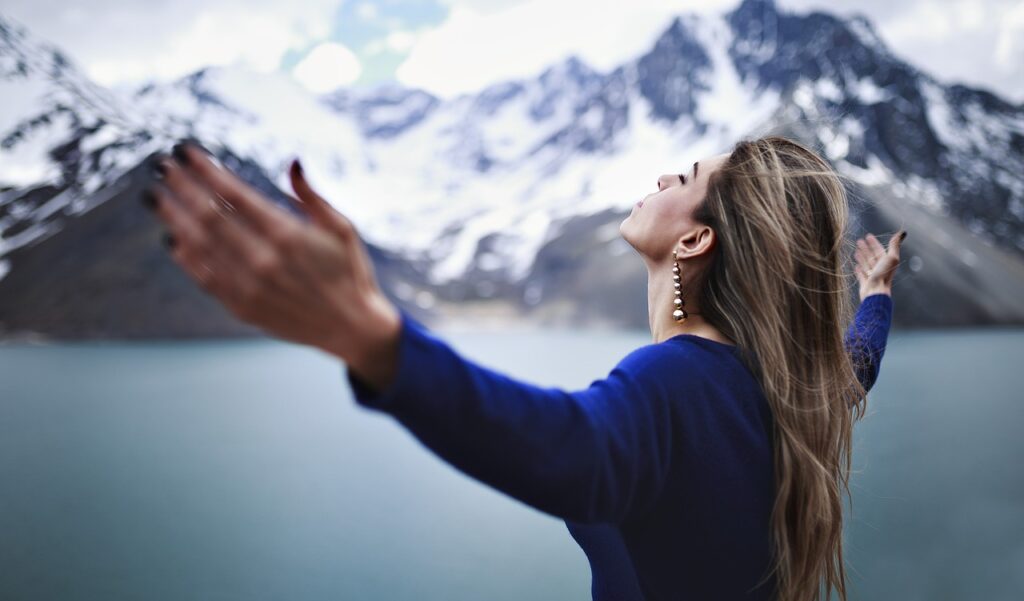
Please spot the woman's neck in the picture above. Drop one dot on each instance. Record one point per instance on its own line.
(660, 305)
(661, 294)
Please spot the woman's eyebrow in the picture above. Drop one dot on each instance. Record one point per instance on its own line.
(694, 173)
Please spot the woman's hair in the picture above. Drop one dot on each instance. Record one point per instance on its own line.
(778, 285)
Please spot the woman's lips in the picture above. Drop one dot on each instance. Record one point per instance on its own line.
(640, 203)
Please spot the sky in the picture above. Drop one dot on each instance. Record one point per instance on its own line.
(453, 46)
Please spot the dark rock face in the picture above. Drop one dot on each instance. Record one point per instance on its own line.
(674, 72)
(900, 110)
(387, 112)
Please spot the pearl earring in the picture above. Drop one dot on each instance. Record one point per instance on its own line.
(678, 313)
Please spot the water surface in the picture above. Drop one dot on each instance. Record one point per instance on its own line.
(244, 470)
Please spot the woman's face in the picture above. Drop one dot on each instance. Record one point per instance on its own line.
(660, 219)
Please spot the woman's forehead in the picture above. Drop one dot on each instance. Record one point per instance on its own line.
(706, 165)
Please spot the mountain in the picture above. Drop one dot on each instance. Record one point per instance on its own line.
(504, 204)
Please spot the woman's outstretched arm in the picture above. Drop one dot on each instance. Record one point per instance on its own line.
(599, 454)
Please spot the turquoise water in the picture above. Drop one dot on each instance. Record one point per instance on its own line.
(244, 470)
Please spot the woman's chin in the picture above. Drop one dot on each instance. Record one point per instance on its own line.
(624, 230)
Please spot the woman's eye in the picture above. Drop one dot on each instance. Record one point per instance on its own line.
(682, 178)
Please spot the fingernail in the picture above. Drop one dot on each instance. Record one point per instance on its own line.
(194, 142)
(169, 240)
(149, 198)
(178, 150)
(298, 167)
(903, 235)
(159, 168)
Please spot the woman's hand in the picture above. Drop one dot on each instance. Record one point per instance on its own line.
(308, 282)
(877, 265)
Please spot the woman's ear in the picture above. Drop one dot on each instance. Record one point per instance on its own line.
(697, 241)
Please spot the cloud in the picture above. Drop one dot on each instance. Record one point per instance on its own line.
(401, 41)
(1010, 43)
(478, 42)
(328, 66)
(132, 41)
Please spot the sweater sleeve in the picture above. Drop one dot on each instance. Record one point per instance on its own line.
(599, 454)
(866, 337)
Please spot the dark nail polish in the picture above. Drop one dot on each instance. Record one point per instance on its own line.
(178, 150)
(159, 169)
(149, 199)
(903, 235)
(298, 167)
(195, 143)
(169, 240)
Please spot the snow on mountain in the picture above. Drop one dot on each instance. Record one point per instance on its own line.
(519, 157)
(63, 139)
(46, 102)
(263, 117)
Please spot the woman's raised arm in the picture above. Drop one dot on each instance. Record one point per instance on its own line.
(866, 337)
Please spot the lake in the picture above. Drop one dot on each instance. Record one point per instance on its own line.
(222, 470)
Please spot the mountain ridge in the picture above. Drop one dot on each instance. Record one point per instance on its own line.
(518, 188)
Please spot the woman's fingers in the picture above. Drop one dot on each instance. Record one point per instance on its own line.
(215, 237)
(225, 234)
(263, 216)
(865, 259)
(188, 244)
(874, 246)
(228, 259)
(216, 220)
(316, 206)
(860, 272)
(247, 288)
(893, 255)
(876, 261)
(860, 253)
(895, 242)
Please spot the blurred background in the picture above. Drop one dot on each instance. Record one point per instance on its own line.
(152, 446)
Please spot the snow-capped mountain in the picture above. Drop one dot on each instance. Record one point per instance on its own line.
(510, 196)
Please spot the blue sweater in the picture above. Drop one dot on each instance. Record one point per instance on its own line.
(663, 470)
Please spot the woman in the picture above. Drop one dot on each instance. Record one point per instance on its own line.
(707, 464)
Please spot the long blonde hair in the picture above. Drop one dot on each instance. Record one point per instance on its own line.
(779, 285)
